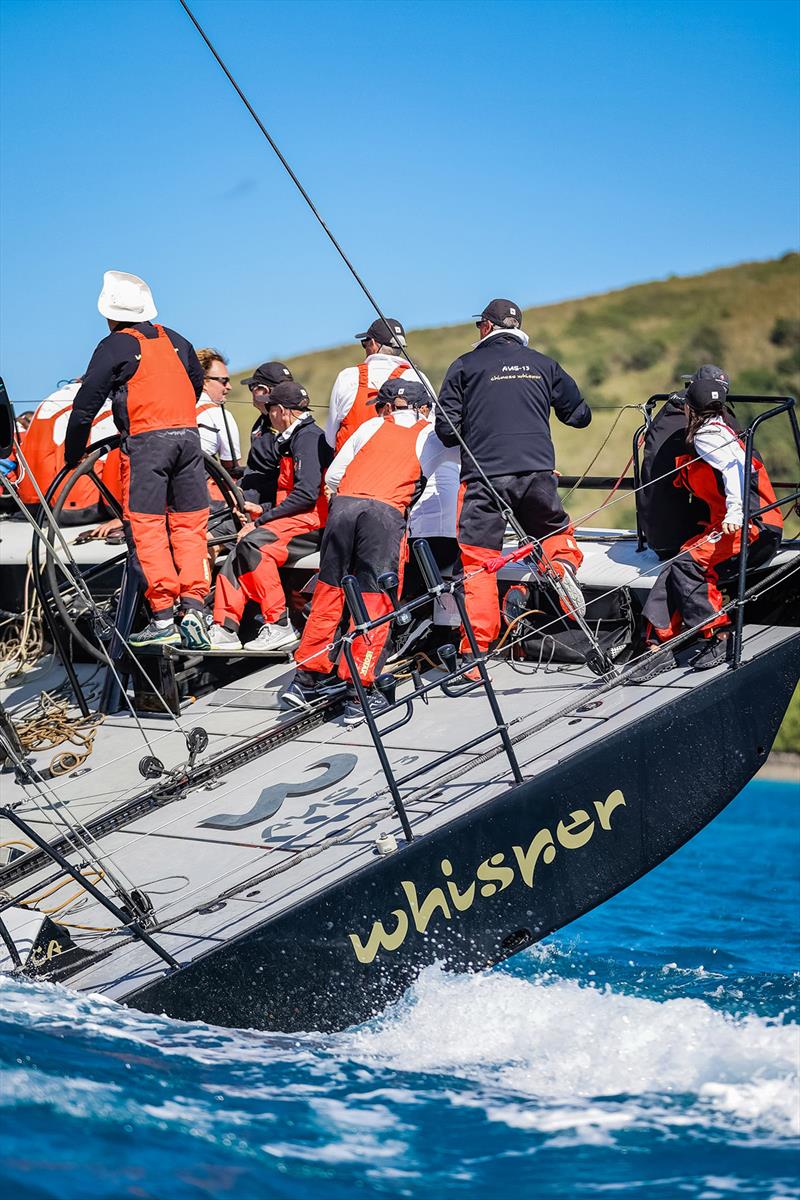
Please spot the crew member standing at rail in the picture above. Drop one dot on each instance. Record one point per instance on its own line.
(498, 398)
(355, 387)
(154, 379)
(372, 482)
(687, 591)
(281, 533)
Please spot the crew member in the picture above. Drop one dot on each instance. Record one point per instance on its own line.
(154, 379)
(280, 534)
(354, 387)
(260, 480)
(218, 433)
(687, 591)
(42, 445)
(498, 399)
(669, 518)
(372, 482)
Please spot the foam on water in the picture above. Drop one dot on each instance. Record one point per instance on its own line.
(554, 1040)
(633, 1052)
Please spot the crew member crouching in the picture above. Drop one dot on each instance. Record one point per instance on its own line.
(372, 481)
(154, 379)
(495, 403)
(687, 591)
(280, 534)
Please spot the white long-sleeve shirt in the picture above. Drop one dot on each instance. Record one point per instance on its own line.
(429, 450)
(345, 387)
(214, 430)
(718, 445)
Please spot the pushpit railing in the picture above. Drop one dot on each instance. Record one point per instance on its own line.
(386, 684)
(785, 405)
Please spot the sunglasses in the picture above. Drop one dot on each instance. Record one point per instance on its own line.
(219, 378)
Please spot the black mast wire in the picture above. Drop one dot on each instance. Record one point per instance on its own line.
(504, 508)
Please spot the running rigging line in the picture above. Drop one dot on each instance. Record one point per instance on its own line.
(537, 552)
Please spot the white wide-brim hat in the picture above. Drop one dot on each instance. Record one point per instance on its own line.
(126, 298)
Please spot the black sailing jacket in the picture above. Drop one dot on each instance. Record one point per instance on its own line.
(499, 397)
(305, 457)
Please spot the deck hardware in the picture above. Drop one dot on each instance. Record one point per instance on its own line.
(387, 686)
(362, 626)
(124, 918)
(150, 767)
(389, 585)
(386, 843)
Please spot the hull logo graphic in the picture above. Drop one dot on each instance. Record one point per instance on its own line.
(493, 875)
(338, 767)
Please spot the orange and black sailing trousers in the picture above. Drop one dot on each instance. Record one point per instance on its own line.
(165, 509)
(365, 538)
(533, 498)
(251, 569)
(687, 590)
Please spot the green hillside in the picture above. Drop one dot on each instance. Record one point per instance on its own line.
(622, 347)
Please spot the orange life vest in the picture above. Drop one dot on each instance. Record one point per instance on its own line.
(286, 483)
(360, 411)
(160, 392)
(703, 481)
(386, 467)
(42, 445)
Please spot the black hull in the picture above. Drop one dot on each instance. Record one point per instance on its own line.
(676, 770)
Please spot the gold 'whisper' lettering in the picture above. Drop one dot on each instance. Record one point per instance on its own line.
(541, 847)
(572, 836)
(497, 877)
(379, 939)
(607, 806)
(461, 900)
(492, 875)
(422, 913)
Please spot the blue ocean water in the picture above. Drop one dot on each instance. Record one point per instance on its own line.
(649, 1050)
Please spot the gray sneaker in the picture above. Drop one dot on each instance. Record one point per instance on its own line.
(273, 638)
(222, 639)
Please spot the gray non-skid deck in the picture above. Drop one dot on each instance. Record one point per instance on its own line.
(313, 839)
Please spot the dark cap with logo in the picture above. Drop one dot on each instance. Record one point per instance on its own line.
(290, 395)
(709, 371)
(411, 390)
(501, 312)
(386, 333)
(268, 374)
(703, 393)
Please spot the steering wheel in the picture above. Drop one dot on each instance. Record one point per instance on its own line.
(92, 626)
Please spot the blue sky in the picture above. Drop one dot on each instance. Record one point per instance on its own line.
(459, 150)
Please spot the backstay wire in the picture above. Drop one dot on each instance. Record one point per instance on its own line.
(505, 510)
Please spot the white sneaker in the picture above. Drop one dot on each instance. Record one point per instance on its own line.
(222, 639)
(272, 638)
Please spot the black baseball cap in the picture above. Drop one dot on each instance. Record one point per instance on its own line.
(498, 311)
(290, 395)
(412, 391)
(703, 393)
(269, 374)
(709, 371)
(386, 333)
